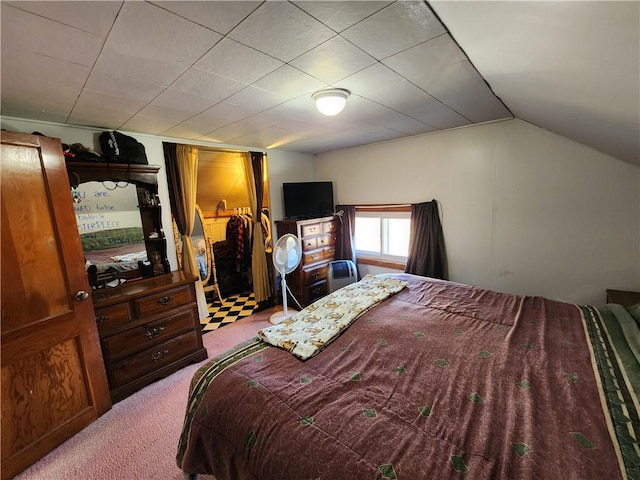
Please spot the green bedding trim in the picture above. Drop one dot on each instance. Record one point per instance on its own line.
(618, 372)
(205, 375)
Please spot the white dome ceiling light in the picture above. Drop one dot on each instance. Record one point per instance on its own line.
(331, 101)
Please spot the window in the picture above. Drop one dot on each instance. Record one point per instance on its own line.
(382, 233)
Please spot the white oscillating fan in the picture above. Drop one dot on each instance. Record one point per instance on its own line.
(287, 254)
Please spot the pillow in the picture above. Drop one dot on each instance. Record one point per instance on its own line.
(634, 310)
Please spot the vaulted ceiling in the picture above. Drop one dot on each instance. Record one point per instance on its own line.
(242, 73)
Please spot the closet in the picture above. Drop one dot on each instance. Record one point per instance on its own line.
(228, 220)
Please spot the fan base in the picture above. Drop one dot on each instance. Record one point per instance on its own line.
(280, 316)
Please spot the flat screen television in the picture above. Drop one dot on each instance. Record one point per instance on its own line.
(307, 199)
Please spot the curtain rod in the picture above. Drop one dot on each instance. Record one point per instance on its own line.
(391, 205)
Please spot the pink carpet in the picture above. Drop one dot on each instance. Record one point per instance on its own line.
(137, 438)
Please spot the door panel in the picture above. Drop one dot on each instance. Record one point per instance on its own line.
(29, 228)
(53, 376)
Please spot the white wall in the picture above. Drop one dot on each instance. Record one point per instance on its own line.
(524, 210)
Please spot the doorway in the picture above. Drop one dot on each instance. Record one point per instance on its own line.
(223, 198)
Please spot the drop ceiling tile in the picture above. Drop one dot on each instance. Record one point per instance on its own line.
(281, 30)
(109, 82)
(154, 45)
(289, 82)
(302, 108)
(454, 81)
(99, 105)
(341, 15)
(396, 27)
(479, 106)
(26, 32)
(176, 106)
(362, 109)
(211, 119)
(226, 133)
(262, 138)
(295, 125)
(36, 94)
(57, 71)
(220, 16)
(439, 54)
(403, 96)
(256, 98)
(259, 121)
(223, 114)
(238, 62)
(435, 113)
(95, 17)
(207, 85)
(22, 110)
(333, 60)
(371, 78)
(147, 124)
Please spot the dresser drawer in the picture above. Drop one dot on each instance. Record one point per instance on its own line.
(326, 240)
(164, 301)
(309, 243)
(113, 316)
(329, 227)
(152, 359)
(146, 335)
(312, 275)
(312, 257)
(329, 253)
(311, 229)
(315, 291)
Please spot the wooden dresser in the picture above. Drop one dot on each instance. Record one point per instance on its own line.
(148, 330)
(318, 236)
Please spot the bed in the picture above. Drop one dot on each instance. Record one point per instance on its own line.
(439, 381)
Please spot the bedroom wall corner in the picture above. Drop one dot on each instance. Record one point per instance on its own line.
(525, 211)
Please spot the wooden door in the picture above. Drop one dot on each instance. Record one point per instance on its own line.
(53, 376)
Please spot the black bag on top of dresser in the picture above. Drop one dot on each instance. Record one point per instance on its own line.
(120, 148)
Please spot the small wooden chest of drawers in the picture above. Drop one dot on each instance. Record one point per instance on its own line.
(148, 330)
(318, 237)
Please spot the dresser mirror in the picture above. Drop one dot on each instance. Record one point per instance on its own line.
(110, 228)
(203, 248)
(119, 221)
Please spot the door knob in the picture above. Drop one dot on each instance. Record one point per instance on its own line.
(81, 295)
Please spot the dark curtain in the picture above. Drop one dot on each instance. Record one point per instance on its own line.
(427, 255)
(258, 173)
(175, 190)
(345, 250)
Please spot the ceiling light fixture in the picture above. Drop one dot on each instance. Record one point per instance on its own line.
(331, 101)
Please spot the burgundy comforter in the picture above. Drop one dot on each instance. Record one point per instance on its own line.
(439, 382)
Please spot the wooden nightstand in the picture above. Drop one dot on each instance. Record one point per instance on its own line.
(621, 297)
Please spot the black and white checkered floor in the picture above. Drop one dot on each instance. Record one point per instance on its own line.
(235, 307)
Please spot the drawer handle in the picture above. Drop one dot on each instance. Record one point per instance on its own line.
(153, 332)
(315, 275)
(101, 319)
(315, 291)
(159, 356)
(165, 300)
